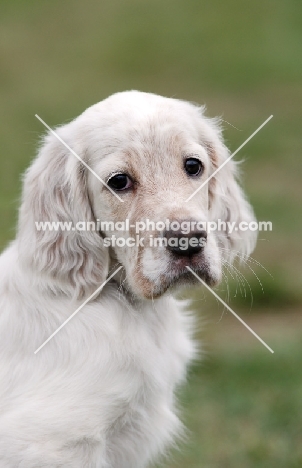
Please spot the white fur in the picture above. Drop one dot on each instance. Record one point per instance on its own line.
(100, 394)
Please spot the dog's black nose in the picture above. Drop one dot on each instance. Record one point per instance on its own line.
(185, 245)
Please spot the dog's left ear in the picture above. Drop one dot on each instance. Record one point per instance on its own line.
(227, 201)
(71, 259)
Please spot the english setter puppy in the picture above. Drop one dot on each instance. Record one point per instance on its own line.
(101, 393)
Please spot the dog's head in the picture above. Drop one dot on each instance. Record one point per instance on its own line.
(153, 153)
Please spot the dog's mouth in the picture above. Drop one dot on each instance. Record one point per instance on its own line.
(152, 276)
(183, 275)
(178, 275)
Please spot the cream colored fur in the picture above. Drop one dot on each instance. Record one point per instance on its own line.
(101, 393)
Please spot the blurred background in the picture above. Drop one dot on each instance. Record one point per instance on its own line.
(242, 405)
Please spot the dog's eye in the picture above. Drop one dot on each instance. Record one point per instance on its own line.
(120, 182)
(193, 166)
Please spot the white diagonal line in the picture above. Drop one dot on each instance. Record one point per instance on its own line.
(228, 159)
(76, 311)
(78, 157)
(228, 307)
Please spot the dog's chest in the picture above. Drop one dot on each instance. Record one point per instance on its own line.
(156, 348)
(153, 354)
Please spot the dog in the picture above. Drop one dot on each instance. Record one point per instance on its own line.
(101, 392)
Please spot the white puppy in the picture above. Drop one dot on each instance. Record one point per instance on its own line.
(100, 394)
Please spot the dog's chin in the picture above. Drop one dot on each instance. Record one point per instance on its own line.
(186, 278)
(182, 278)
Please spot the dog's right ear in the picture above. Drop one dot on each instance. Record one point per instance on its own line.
(55, 191)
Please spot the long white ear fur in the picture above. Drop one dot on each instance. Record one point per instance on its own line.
(76, 262)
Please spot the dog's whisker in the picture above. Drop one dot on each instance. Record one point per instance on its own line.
(225, 264)
(250, 259)
(227, 295)
(247, 258)
(242, 279)
(246, 262)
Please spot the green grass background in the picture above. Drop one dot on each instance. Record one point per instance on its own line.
(243, 60)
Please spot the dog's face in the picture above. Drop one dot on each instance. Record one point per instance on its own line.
(154, 153)
(157, 161)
